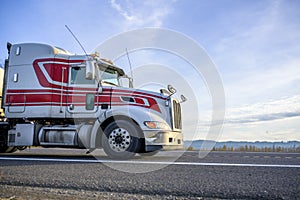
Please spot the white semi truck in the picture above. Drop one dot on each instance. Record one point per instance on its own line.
(52, 98)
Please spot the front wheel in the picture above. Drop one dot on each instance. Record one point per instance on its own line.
(121, 140)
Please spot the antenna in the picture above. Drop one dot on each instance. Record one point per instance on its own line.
(76, 39)
(129, 63)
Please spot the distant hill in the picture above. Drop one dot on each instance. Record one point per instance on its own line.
(205, 144)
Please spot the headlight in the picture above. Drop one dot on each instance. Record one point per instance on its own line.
(156, 125)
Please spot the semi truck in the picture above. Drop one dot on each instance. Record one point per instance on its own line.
(52, 98)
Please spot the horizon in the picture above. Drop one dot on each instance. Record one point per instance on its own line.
(245, 141)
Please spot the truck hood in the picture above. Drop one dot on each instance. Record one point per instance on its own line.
(133, 91)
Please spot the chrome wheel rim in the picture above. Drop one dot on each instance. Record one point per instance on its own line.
(119, 140)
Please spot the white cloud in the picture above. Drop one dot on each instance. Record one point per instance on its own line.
(265, 111)
(139, 14)
(259, 56)
(279, 130)
(274, 120)
(272, 81)
(254, 30)
(258, 38)
(280, 109)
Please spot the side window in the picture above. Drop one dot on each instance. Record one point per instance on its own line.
(18, 50)
(78, 76)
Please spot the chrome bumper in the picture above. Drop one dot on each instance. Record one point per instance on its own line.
(168, 140)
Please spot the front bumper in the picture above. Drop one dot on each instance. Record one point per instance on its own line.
(168, 140)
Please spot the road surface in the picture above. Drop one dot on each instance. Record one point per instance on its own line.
(68, 174)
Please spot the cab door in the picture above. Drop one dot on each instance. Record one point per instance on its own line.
(82, 95)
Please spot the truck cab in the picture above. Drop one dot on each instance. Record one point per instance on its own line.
(52, 98)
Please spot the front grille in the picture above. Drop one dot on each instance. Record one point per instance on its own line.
(176, 115)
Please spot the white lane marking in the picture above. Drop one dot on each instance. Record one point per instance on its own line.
(149, 162)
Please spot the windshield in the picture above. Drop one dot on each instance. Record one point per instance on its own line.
(110, 76)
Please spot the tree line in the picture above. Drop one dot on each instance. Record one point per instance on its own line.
(252, 148)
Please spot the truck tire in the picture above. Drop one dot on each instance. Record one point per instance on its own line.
(3, 146)
(3, 141)
(121, 140)
(5, 149)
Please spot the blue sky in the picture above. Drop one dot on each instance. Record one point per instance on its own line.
(254, 44)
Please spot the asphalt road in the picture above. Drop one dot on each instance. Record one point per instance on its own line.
(172, 174)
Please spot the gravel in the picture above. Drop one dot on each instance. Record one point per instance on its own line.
(9, 192)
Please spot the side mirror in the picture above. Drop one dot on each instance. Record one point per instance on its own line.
(129, 81)
(171, 89)
(89, 70)
(183, 99)
(100, 89)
